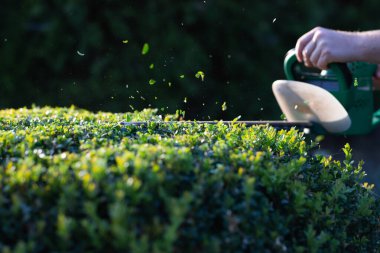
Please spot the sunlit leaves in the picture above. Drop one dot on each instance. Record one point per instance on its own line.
(104, 176)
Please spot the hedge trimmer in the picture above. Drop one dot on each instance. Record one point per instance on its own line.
(336, 101)
(350, 84)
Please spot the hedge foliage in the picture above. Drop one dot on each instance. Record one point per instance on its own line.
(239, 45)
(76, 181)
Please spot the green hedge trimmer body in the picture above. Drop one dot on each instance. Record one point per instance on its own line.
(350, 83)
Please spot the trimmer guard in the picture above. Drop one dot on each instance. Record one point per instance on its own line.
(301, 101)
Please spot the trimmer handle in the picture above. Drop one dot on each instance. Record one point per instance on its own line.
(340, 71)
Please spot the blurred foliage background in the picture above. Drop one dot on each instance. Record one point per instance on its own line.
(61, 53)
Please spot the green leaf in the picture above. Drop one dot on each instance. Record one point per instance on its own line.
(145, 49)
(224, 106)
(236, 119)
(201, 75)
(319, 138)
(347, 152)
(152, 81)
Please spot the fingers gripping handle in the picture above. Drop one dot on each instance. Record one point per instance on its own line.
(340, 71)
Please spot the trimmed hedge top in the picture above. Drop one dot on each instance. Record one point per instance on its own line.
(76, 181)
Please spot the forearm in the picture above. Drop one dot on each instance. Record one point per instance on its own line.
(321, 46)
(368, 46)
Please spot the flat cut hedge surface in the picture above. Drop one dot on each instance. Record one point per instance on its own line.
(76, 181)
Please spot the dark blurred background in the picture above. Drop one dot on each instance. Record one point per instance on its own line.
(60, 53)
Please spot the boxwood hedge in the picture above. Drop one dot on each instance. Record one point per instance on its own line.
(76, 181)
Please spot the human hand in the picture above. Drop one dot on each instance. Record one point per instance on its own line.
(321, 46)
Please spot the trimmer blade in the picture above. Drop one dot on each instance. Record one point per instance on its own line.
(301, 101)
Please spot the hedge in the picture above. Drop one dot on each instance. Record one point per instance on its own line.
(76, 181)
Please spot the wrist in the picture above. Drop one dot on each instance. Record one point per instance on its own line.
(360, 49)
